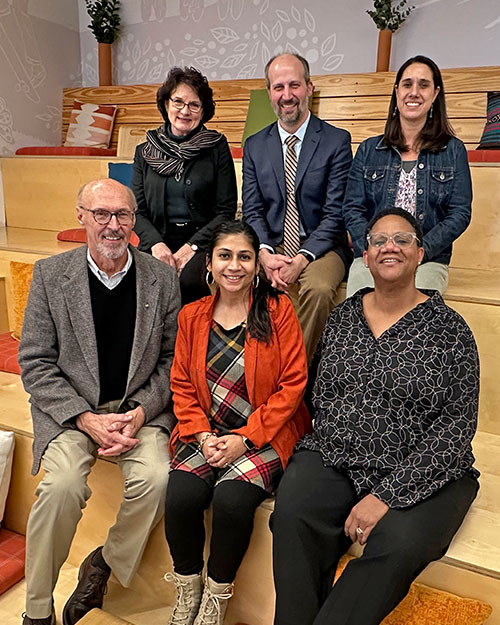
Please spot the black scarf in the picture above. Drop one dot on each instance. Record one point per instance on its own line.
(168, 157)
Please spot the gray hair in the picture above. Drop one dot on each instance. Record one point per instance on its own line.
(305, 65)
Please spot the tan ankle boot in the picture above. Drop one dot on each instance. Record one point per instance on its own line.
(188, 598)
(213, 603)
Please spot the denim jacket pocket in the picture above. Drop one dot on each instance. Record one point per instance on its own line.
(441, 183)
(375, 180)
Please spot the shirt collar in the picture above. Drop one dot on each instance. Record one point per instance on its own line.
(299, 133)
(109, 281)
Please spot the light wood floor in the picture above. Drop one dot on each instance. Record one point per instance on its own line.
(120, 603)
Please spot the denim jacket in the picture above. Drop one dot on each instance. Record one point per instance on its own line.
(444, 193)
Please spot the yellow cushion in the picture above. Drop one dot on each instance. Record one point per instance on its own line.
(429, 606)
(22, 274)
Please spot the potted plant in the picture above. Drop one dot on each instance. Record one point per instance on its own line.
(388, 17)
(105, 26)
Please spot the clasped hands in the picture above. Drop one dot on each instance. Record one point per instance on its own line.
(113, 432)
(281, 270)
(178, 260)
(219, 451)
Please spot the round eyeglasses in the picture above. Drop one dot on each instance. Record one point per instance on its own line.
(102, 216)
(179, 104)
(399, 239)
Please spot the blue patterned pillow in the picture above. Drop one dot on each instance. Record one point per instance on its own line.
(491, 133)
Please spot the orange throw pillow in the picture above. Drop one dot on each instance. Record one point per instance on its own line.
(21, 274)
(424, 605)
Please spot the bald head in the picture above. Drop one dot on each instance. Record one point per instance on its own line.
(88, 192)
(289, 88)
(106, 209)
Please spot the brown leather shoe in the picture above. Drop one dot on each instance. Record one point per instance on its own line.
(89, 591)
(48, 620)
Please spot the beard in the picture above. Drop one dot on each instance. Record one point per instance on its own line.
(289, 118)
(112, 251)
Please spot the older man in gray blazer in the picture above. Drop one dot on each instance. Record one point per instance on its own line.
(96, 349)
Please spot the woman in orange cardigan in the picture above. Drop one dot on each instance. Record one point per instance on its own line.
(238, 379)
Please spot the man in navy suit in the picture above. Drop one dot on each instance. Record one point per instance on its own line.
(294, 178)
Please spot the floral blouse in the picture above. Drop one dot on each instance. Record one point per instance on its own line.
(396, 414)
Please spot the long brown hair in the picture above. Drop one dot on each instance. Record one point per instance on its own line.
(437, 129)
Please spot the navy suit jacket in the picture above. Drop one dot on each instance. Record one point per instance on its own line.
(324, 162)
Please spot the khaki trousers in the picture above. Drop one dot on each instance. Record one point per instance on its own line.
(429, 276)
(62, 494)
(313, 296)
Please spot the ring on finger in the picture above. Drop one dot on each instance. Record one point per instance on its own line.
(359, 531)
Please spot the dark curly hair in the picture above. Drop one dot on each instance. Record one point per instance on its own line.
(191, 77)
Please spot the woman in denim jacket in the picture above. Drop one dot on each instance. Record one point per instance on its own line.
(417, 164)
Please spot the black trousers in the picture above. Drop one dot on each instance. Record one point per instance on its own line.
(313, 502)
(233, 505)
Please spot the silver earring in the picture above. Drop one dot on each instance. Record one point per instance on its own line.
(209, 278)
(431, 110)
(256, 281)
(395, 111)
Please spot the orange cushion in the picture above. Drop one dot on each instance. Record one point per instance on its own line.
(8, 353)
(429, 606)
(58, 150)
(12, 553)
(483, 156)
(22, 274)
(78, 235)
(90, 124)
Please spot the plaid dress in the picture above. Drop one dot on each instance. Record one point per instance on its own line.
(230, 410)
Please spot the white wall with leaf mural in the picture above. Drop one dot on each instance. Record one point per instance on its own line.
(45, 45)
(234, 38)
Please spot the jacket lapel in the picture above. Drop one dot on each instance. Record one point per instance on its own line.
(147, 298)
(76, 292)
(309, 146)
(275, 151)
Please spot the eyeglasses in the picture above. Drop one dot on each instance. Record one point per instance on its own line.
(179, 104)
(102, 216)
(400, 239)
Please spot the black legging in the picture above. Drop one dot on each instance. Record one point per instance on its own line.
(234, 503)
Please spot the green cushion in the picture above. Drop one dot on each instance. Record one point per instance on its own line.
(260, 113)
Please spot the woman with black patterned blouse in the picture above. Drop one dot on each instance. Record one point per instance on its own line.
(389, 463)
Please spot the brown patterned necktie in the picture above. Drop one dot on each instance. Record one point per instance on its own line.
(291, 227)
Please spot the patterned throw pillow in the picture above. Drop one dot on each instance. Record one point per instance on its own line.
(90, 124)
(491, 133)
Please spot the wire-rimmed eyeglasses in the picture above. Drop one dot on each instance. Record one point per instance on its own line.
(179, 104)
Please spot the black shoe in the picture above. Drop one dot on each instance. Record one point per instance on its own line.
(89, 591)
(48, 620)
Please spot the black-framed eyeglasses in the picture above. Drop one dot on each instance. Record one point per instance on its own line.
(103, 216)
(400, 239)
(179, 104)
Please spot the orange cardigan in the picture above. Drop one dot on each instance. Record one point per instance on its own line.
(275, 375)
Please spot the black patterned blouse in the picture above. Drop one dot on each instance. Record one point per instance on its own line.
(396, 414)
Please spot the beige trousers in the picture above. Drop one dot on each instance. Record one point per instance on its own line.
(429, 276)
(62, 494)
(313, 296)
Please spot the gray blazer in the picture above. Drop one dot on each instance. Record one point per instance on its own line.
(58, 349)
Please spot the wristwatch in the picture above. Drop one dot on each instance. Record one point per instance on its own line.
(307, 255)
(193, 246)
(248, 443)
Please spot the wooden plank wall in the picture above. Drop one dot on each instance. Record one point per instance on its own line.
(357, 102)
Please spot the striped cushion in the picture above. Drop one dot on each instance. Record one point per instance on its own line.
(90, 125)
(491, 133)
